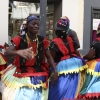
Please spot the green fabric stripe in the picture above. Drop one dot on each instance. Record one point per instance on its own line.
(86, 84)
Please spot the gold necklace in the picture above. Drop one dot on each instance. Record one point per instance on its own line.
(29, 42)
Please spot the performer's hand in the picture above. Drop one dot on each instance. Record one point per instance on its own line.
(26, 53)
(54, 78)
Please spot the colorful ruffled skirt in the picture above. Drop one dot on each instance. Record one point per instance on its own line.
(91, 87)
(26, 88)
(71, 73)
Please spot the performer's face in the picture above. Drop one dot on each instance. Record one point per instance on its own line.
(33, 26)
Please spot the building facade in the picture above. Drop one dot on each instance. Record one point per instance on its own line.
(83, 15)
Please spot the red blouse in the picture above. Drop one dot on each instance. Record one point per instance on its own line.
(29, 63)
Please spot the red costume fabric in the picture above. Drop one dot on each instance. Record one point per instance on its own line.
(62, 48)
(30, 63)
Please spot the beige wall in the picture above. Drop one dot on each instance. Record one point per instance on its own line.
(3, 21)
(74, 9)
(80, 21)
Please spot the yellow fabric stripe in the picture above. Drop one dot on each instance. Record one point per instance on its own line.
(91, 68)
(2, 61)
(81, 81)
(14, 82)
(92, 72)
(74, 70)
(17, 85)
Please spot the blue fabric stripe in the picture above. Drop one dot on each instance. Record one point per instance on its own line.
(94, 85)
(26, 93)
(97, 68)
(69, 64)
(36, 79)
(65, 87)
(83, 61)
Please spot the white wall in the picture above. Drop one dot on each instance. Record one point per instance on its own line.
(80, 21)
(3, 21)
(74, 10)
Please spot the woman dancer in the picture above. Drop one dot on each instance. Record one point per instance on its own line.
(68, 64)
(27, 77)
(90, 89)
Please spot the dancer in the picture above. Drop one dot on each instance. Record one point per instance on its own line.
(68, 64)
(90, 89)
(27, 77)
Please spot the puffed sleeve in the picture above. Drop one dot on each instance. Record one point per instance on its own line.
(16, 42)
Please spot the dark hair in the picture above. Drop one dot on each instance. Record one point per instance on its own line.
(61, 34)
(6, 45)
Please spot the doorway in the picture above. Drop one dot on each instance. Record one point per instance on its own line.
(95, 22)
